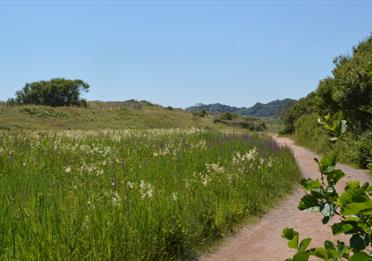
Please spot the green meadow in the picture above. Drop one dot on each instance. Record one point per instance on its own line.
(160, 194)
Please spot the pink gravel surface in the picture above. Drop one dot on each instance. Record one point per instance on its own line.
(262, 240)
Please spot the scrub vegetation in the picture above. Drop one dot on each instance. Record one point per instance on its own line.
(346, 94)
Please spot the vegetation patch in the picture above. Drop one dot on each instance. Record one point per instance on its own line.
(346, 94)
(132, 195)
(234, 120)
(43, 112)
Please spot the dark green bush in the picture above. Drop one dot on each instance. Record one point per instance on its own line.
(200, 114)
(83, 103)
(227, 116)
(362, 152)
(56, 92)
(348, 90)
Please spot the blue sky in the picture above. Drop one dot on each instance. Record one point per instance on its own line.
(179, 52)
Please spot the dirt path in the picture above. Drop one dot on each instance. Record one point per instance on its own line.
(262, 241)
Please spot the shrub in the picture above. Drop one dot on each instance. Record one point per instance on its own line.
(310, 134)
(369, 166)
(83, 103)
(227, 116)
(362, 152)
(261, 126)
(200, 114)
(56, 92)
(350, 150)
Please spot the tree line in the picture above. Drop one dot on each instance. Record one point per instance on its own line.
(348, 91)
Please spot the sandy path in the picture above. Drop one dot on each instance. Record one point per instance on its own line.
(262, 241)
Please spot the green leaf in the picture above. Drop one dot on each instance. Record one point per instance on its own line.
(308, 201)
(357, 243)
(320, 252)
(356, 208)
(304, 244)
(353, 184)
(369, 68)
(335, 175)
(327, 117)
(343, 251)
(360, 256)
(329, 245)
(325, 220)
(327, 161)
(310, 184)
(289, 233)
(329, 169)
(352, 218)
(341, 228)
(293, 243)
(301, 256)
(351, 195)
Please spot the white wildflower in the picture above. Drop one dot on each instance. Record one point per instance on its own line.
(262, 161)
(270, 163)
(146, 190)
(90, 203)
(205, 180)
(174, 196)
(130, 184)
(116, 199)
(215, 168)
(252, 154)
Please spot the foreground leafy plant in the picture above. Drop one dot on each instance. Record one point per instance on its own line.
(353, 207)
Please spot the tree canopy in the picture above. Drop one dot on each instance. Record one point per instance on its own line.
(55, 92)
(347, 91)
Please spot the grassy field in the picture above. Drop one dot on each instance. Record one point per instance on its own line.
(134, 194)
(99, 115)
(113, 115)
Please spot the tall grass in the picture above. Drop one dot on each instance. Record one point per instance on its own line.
(311, 134)
(132, 195)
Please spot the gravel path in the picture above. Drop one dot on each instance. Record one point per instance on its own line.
(262, 240)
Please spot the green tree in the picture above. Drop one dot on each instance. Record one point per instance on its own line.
(348, 90)
(303, 106)
(56, 92)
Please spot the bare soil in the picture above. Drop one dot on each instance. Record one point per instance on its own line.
(262, 240)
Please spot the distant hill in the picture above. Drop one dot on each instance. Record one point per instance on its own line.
(271, 109)
(214, 108)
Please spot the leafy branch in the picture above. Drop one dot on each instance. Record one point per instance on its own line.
(353, 207)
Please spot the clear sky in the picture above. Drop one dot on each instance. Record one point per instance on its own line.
(179, 53)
